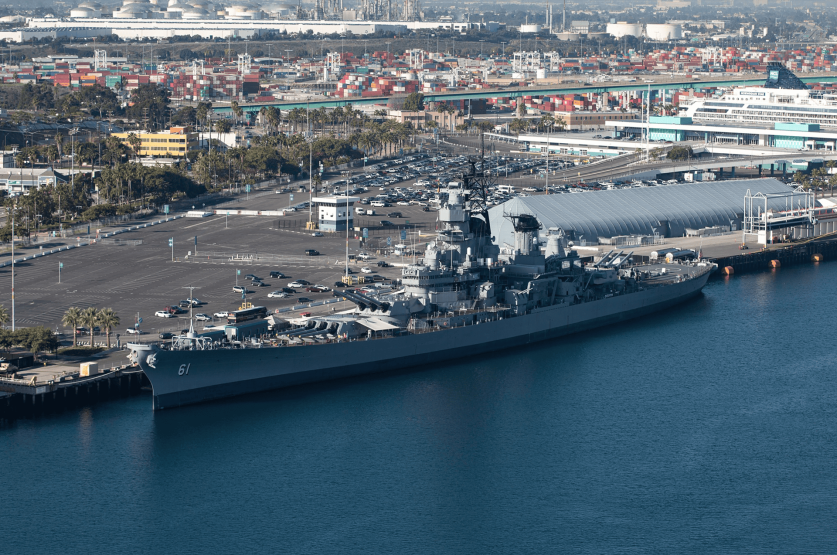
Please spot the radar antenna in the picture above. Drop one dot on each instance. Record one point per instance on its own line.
(476, 185)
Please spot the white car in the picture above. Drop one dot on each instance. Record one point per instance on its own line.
(203, 318)
(295, 284)
(323, 287)
(133, 331)
(316, 234)
(277, 295)
(403, 203)
(366, 270)
(222, 314)
(163, 314)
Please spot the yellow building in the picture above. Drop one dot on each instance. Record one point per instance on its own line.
(176, 142)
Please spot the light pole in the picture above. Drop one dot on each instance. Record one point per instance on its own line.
(347, 175)
(73, 132)
(546, 181)
(310, 140)
(12, 215)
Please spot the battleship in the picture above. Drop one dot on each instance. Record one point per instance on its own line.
(465, 297)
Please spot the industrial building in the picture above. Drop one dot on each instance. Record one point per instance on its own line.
(175, 142)
(637, 216)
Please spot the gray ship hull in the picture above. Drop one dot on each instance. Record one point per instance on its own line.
(185, 377)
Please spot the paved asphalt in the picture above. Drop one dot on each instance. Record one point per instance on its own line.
(142, 279)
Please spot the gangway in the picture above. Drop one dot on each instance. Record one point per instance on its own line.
(764, 213)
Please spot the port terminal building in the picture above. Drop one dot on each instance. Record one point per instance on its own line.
(795, 136)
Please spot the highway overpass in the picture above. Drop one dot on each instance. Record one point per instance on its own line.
(723, 80)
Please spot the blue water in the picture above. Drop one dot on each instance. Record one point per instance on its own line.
(711, 428)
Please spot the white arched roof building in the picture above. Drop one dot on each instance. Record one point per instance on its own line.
(635, 211)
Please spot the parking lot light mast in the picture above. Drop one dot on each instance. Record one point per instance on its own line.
(12, 213)
(347, 176)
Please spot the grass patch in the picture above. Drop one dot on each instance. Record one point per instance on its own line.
(80, 351)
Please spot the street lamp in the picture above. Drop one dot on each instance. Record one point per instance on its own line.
(73, 132)
(347, 175)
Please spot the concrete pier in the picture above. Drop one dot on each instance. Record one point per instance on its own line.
(56, 387)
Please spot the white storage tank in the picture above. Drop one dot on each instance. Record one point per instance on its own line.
(622, 29)
(530, 28)
(664, 31)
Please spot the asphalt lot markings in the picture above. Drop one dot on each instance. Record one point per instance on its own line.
(197, 224)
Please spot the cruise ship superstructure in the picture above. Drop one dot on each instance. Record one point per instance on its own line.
(783, 98)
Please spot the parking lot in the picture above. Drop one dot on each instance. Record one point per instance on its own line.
(146, 275)
(139, 280)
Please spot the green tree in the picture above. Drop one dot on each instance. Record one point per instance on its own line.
(89, 317)
(4, 316)
(414, 102)
(108, 320)
(680, 153)
(150, 102)
(72, 319)
(223, 126)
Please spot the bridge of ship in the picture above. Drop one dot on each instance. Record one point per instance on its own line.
(520, 91)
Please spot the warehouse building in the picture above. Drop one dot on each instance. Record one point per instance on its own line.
(637, 215)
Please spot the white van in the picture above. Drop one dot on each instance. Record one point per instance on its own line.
(507, 189)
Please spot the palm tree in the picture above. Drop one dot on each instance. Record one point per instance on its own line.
(831, 164)
(4, 315)
(72, 319)
(89, 317)
(134, 142)
(108, 319)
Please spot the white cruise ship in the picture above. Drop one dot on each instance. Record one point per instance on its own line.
(783, 98)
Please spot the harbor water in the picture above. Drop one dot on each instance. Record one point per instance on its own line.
(710, 428)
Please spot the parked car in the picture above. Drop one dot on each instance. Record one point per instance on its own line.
(304, 300)
(133, 331)
(238, 289)
(252, 276)
(203, 317)
(277, 295)
(316, 234)
(383, 264)
(339, 284)
(166, 335)
(163, 314)
(314, 289)
(366, 270)
(312, 252)
(277, 275)
(394, 215)
(299, 283)
(185, 304)
(258, 284)
(221, 314)
(288, 290)
(387, 223)
(305, 314)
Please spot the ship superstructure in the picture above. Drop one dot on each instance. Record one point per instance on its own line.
(783, 98)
